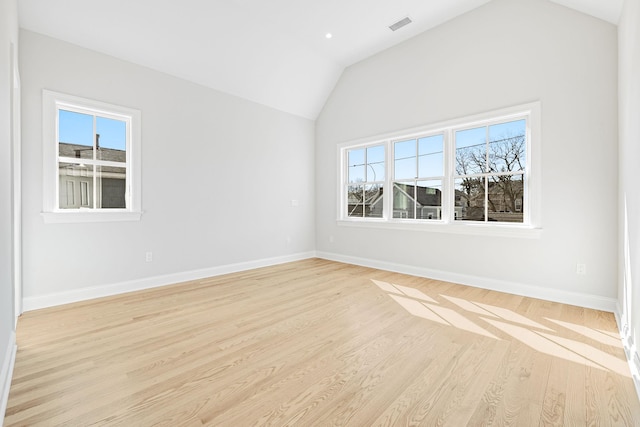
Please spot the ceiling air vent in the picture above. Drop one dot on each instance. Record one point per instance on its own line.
(401, 23)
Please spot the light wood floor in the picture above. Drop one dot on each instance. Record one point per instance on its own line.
(320, 343)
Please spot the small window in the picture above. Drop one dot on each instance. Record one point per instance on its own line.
(91, 160)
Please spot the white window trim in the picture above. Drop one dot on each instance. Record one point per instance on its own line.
(532, 228)
(51, 101)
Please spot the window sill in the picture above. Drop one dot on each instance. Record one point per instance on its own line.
(492, 230)
(67, 217)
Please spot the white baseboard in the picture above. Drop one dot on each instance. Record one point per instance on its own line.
(548, 294)
(7, 373)
(50, 300)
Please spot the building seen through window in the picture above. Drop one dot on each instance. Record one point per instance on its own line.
(92, 161)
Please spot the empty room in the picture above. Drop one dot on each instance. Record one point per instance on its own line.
(314, 213)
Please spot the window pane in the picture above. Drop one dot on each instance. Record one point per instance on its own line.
(356, 165)
(471, 151)
(429, 199)
(111, 182)
(355, 198)
(403, 200)
(373, 201)
(430, 156)
(375, 163)
(507, 146)
(111, 139)
(469, 199)
(75, 186)
(505, 198)
(405, 168)
(75, 135)
(405, 159)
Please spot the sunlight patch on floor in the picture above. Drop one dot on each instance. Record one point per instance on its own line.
(615, 335)
(468, 306)
(459, 321)
(529, 332)
(415, 293)
(417, 309)
(403, 290)
(540, 343)
(594, 334)
(598, 356)
(387, 287)
(511, 316)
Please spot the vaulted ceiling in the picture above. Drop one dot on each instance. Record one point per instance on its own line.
(274, 52)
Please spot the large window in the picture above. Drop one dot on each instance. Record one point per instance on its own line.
(477, 170)
(91, 160)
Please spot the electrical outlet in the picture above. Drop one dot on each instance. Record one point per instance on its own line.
(148, 256)
(581, 269)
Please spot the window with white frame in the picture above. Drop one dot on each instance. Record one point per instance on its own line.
(476, 170)
(91, 160)
(418, 172)
(490, 171)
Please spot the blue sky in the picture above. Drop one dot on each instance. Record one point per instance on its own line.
(77, 128)
(429, 156)
(424, 157)
(478, 136)
(374, 168)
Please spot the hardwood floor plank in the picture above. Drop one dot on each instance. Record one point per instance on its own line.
(554, 406)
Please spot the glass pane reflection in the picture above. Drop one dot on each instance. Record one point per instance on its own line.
(75, 186)
(469, 199)
(111, 183)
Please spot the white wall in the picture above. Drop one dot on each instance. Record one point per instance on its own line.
(502, 54)
(629, 152)
(8, 35)
(218, 177)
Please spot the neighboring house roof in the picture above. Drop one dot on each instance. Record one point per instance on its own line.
(85, 152)
(422, 196)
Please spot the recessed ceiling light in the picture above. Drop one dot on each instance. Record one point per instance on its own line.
(328, 35)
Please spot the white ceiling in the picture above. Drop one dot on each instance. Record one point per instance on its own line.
(273, 52)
